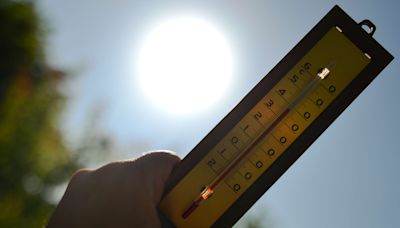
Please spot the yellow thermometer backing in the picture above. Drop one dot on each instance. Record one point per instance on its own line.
(265, 132)
(335, 48)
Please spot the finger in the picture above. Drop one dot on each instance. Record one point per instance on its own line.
(155, 169)
(158, 166)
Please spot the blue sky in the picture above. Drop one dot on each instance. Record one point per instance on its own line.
(348, 178)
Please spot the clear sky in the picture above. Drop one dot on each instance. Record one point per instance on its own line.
(348, 178)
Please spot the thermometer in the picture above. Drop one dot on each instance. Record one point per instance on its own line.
(240, 159)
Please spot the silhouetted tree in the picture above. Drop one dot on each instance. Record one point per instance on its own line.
(33, 158)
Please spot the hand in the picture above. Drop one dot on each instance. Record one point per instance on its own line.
(119, 194)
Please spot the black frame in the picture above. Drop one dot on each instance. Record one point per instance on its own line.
(362, 39)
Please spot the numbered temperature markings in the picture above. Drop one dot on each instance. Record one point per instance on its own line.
(276, 121)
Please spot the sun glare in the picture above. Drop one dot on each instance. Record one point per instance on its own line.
(185, 66)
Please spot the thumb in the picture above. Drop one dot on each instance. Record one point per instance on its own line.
(157, 166)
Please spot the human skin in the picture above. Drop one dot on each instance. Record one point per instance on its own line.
(119, 194)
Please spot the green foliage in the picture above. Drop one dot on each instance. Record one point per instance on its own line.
(33, 158)
(19, 36)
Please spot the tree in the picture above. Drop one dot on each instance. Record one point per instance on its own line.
(33, 157)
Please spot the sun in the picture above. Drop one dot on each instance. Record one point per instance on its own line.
(185, 66)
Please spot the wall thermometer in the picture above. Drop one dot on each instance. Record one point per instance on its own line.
(230, 169)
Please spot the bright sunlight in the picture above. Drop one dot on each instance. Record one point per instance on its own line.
(185, 66)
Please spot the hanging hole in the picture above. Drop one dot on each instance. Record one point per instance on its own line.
(368, 27)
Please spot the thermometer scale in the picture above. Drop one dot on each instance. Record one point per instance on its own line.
(225, 174)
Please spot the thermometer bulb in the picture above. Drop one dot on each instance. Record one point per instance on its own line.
(205, 194)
